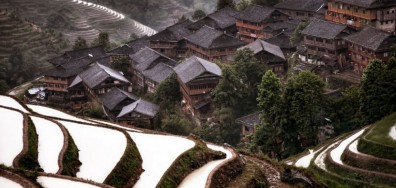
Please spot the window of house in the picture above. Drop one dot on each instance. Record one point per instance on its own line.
(386, 54)
(319, 39)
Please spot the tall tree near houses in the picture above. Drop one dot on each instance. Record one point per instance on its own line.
(305, 96)
(198, 14)
(377, 92)
(224, 3)
(265, 2)
(269, 135)
(104, 40)
(80, 43)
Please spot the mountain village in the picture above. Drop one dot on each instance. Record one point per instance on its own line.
(228, 85)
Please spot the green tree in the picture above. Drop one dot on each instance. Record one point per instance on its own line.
(269, 95)
(198, 14)
(377, 90)
(265, 2)
(296, 36)
(224, 3)
(122, 64)
(305, 96)
(269, 133)
(104, 40)
(3, 87)
(238, 88)
(168, 91)
(80, 43)
(242, 5)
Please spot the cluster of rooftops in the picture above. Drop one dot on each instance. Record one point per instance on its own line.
(216, 37)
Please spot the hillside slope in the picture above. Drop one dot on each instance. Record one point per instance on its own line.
(76, 18)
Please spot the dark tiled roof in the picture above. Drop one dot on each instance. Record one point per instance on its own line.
(132, 46)
(361, 3)
(173, 33)
(147, 57)
(282, 40)
(140, 106)
(193, 67)
(220, 19)
(115, 96)
(255, 13)
(69, 69)
(159, 72)
(259, 46)
(284, 26)
(324, 29)
(372, 38)
(305, 5)
(250, 119)
(98, 73)
(93, 53)
(210, 38)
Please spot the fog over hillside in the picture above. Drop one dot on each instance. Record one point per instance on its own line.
(158, 14)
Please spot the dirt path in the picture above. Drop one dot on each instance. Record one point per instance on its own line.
(271, 173)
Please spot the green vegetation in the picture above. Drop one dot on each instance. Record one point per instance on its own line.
(29, 160)
(296, 36)
(198, 14)
(265, 2)
(93, 109)
(102, 40)
(375, 164)
(377, 142)
(252, 177)
(3, 87)
(128, 169)
(378, 88)
(80, 43)
(31, 176)
(187, 162)
(224, 3)
(291, 114)
(70, 162)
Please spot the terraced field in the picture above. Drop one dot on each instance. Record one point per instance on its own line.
(77, 152)
(76, 18)
(28, 38)
(365, 158)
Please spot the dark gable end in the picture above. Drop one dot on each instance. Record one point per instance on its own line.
(147, 58)
(115, 96)
(195, 67)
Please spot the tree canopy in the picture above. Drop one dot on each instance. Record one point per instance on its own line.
(80, 43)
(198, 14)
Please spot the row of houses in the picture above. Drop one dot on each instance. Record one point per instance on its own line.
(329, 43)
(83, 74)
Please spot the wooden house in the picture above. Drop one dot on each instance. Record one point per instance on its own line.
(115, 100)
(283, 41)
(378, 13)
(323, 39)
(197, 78)
(369, 43)
(170, 40)
(248, 124)
(98, 80)
(129, 48)
(223, 20)
(251, 22)
(139, 113)
(269, 54)
(149, 68)
(211, 44)
(303, 10)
